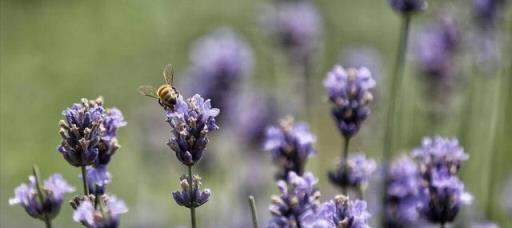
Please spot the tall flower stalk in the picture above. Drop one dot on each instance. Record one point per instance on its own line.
(349, 92)
(190, 122)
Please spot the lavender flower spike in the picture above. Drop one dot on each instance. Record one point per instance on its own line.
(349, 92)
(290, 144)
(408, 6)
(354, 173)
(198, 197)
(190, 125)
(81, 132)
(402, 194)
(440, 153)
(53, 190)
(105, 216)
(298, 196)
(339, 213)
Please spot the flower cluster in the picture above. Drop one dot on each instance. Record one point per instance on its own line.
(191, 195)
(402, 193)
(88, 133)
(223, 59)
(408, 6)
(353, 173)
(104, 213)
(190, 124)
(290, 144)
(298, 196)
(442, 191)
(339, 213)
(295, 25)
(43, 203)
(349, 91)
(487, 12)
(97, 178)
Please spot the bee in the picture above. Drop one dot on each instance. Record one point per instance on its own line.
(166, 94)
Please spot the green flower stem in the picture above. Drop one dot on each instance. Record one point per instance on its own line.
(191, 192)
(252, 204)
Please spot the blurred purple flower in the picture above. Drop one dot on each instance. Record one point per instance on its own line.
(408, 6)
(295, 25)
(198, 197)
(97, 178)
(223, 59)
(254, 111)
(442, 192)
(290, 144)
(108, 144)
(443, 154)
(402, 194)
(190, 124)
(340, 212)
(103, 217)
(53, 190)
(487, 12)
(436, 52)
(349, 91)
(298, 195)
(81, 132)
(354, 173)
(443, 198)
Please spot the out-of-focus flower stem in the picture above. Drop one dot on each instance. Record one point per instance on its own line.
(84, 181)
(345, 160)
(192, 207)
(252, 204)
(40, 194)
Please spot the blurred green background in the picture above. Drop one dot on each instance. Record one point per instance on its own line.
(52, 53)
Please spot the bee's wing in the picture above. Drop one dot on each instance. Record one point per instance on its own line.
(169, 74)
(149, 91)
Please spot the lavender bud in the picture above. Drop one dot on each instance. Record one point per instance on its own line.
(349, 92)
(104, 215)
(81, 132)
(184, 197)
(290, 144)
(190, 124)
(402, 194)
(298, 195)
(408, 6)
(438, 153)
(53, 190)
(354, 173)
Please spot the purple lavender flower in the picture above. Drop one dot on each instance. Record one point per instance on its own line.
(298, 195)
(295, 25)
(290, 144)
(402, 194)
(339, 213)
(104, 216)
(408, 6)
(354, 173)
(436, 52)
(442, 198)
(223, 59)
(184, 197)
(81, 132)
(108, 144)
(254, 111)
(349, 91)
(190, 125)
(97, 178)
(440, 153)
(487, 12)
(53, 190)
